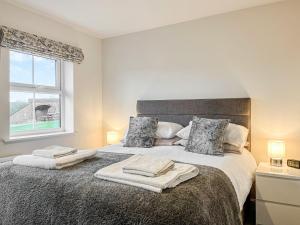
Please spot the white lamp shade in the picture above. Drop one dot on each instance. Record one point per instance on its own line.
(276, 149)
(112, 137)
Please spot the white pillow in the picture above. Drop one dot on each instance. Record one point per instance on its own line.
(182, 142)
(185, 132)
(228, 148)
(236, 135)
(124, 136)
(167, 130)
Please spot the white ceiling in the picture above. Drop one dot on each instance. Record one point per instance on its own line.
(108, 18)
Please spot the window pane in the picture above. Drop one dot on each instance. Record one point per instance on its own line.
(47, 111)
(20, 68)
(44, 71)
(21, 112)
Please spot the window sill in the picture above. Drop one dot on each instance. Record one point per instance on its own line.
(35, 137)
(6, 159)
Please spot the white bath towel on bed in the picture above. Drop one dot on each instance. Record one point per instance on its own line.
(54, 151)
(178, 174)
(148, 166)
(58, 163)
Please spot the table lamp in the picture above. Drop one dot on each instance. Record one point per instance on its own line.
(276, 152)
(112, 137)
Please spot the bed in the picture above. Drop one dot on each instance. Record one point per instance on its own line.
(74, 196)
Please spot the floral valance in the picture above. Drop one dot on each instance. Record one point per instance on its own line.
(31, 43)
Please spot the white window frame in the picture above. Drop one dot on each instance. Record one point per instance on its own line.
(32, 88)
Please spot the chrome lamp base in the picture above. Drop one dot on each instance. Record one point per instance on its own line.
(276, 162)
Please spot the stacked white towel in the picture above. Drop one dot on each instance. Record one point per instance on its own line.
(149, 166)
(54, 151)
(54, 157)
(177, 174)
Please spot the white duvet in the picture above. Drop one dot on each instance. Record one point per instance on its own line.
(240, 168)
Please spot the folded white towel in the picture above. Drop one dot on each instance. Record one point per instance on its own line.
(147, 165)
(54, 151)
(178, 174)
(58, 163)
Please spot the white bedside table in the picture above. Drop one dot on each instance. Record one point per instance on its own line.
(277, 195)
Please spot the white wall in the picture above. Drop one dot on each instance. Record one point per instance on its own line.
(87, 81)
(253, 52)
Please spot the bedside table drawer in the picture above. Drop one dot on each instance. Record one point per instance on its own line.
(276, 214)
(279, 190)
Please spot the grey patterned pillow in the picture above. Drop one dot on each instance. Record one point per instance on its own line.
(141, 132)
(206, 136)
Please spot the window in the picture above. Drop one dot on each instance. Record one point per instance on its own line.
(36, 95)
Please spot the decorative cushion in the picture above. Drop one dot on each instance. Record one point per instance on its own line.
(167, 130)
(141, 132)
(206, 136)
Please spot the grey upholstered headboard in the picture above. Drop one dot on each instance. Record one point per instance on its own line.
(238, 110)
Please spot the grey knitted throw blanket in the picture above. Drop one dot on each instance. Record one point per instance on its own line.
(74, 196)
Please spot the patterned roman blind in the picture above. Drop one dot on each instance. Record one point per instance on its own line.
(31, 43)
